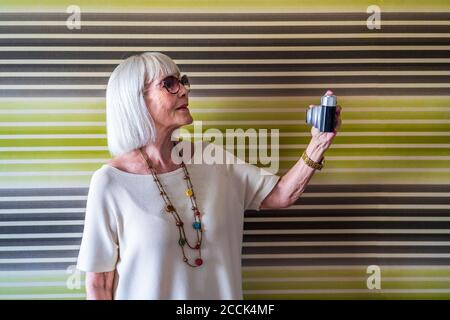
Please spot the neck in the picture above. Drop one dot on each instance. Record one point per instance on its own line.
(159, 152)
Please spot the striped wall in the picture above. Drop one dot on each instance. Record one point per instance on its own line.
(382, 199)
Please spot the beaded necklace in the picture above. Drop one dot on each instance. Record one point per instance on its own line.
(197, 224)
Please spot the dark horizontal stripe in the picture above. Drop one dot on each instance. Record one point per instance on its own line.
(301, 201)
(345, 237)
(42, 204)
(41, 229)
(261, 262)
(311, 188)
(34, 266)
(239, 93)
(346, 249)
(346, 261)
(379, 188)
(40, 242)
(423, 225)
(28, 192)
(357, 41)
(217, 67)
(161, 30)
(62, 216)
(373, 79)
(224, 55)
(259, 250)
(373, 200)
(263, 239)
(381, 212)
(38, 254)
(209, 16)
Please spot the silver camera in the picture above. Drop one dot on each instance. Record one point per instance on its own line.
(323, 117)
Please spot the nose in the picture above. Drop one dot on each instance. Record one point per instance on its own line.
(183, 91)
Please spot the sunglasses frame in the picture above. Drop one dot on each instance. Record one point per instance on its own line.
(184, 80)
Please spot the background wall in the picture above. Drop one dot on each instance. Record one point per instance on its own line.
(382, 199)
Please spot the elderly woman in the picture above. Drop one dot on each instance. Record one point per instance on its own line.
(156, 228)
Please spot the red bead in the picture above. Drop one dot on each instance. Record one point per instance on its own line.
(197, 246)
(198, 262)
(197, 213)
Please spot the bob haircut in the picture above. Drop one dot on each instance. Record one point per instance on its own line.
(128, 122)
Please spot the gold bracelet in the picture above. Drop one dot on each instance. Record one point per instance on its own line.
(311, 163)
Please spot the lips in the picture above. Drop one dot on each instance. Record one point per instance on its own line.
(183, 106)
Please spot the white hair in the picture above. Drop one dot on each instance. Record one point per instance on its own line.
(128, 122)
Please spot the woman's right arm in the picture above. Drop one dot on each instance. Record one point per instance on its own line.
(99, 285)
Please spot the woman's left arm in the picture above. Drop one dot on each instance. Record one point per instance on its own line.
(293, 183)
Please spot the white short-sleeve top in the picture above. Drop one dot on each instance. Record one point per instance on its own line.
(128, 230)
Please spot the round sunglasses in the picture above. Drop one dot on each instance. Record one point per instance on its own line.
(172, 84)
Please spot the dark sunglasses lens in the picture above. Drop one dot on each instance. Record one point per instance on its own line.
(185, 82)
(171, 83)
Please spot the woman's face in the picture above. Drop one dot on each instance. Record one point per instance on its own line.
(168, 110)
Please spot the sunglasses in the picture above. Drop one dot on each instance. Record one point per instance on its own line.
(172, 83)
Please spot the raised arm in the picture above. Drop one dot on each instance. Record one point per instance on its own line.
(293, 183)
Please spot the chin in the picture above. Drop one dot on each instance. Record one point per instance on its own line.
(187, 120)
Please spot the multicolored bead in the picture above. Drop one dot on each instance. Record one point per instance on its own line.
(198, 262)
(181, 242)
(188, 192)
(197, 225)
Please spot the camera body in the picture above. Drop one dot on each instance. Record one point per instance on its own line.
(323, 117)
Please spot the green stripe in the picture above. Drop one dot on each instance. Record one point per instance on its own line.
(357, 284)
(217, 103)
(39, 290)
(55, 155)
(38, 104)
(330, 271)
(283, 164)
(351, 296)
(282, 141)
(240, 116)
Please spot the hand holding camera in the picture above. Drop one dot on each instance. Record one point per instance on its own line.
(325, 119)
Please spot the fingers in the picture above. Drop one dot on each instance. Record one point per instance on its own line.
(338, 118)
(312, 106)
